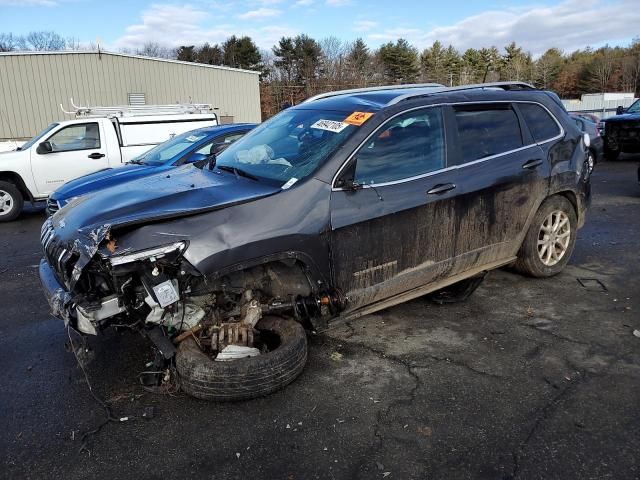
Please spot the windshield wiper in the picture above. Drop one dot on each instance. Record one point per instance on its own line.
(238, 172)
(136, 162)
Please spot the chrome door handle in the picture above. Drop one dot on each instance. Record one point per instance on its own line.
(531, 164)
(441, 188)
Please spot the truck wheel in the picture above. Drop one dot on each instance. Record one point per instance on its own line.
(11, 202)
(246, 378)
(549, 242)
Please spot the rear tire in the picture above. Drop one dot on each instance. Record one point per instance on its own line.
(246, 378)
(550, 240)
(11, 202)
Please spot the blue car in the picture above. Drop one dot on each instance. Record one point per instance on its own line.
(190, 147)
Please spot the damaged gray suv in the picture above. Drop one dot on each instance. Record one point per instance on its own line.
(346, 204)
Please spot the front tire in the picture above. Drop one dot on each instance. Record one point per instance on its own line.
(550, 240)
(11, 202)
(245, 378)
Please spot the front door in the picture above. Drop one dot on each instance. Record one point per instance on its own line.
(76, 150)
(393, 230)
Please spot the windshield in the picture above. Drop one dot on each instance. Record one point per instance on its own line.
(635, 108)
(288, 147)
(171, 150)
(38, 136)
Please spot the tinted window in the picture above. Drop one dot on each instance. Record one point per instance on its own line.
(84, 136)
(540, 123)
(486, 130)
(409, 145)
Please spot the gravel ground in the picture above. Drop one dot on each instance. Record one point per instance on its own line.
(528, 378)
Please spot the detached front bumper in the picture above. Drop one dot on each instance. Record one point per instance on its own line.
(60, 301)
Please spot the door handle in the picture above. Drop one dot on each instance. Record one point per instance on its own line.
(95, 155)
(531, 164)
(441, 188)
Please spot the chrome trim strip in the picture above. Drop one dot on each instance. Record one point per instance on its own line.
(480, 160)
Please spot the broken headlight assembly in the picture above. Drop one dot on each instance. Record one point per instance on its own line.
(147, 254)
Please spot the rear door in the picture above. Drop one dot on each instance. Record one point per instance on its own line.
(394, 232)
(77, 149)
(503, 177)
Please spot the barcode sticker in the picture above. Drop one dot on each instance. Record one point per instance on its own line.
(330, 125)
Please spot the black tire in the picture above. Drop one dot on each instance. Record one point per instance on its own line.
(529, 261)
(246, 378)
(9, 193)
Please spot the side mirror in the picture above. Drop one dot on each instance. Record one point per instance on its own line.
(619, 110)
(44, 148)
(348, 184)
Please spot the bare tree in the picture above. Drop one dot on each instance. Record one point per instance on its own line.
(601, 70)
(45, 41)
(156, 50)
(10, 42)
(630, 74)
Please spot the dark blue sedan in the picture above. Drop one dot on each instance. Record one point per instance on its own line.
(190, 147)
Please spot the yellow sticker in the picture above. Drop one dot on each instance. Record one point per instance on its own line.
(358, 118)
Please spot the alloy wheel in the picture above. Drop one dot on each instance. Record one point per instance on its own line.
(554, 237)
(6, 203)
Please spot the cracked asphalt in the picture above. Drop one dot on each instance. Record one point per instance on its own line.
(526, 379)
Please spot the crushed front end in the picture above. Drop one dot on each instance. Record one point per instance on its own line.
(91, 283)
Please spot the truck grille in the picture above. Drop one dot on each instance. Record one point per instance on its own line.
(52, 206)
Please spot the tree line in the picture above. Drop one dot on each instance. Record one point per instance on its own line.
(298, 67)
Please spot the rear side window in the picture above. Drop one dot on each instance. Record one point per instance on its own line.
(541, 124)
(484, 131)
(409, 145)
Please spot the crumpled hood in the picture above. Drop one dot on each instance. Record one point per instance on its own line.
(102, 179)
(81, 226)
(625, 117)
(178, 192)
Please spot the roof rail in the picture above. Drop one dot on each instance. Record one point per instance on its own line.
(474, 86)
(138, 110)
(372, 89)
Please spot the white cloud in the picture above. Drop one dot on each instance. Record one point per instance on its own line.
(260, 13)
(364, 25)
(29, 3)
(175, 25)
(172, 25)
(303, 3)
(569, 25)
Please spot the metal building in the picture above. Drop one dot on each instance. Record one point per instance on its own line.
(34, 84)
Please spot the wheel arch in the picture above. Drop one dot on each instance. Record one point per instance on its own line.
(16, 179)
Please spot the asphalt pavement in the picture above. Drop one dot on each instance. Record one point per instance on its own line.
(526, 379)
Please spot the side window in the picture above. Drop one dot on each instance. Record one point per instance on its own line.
(84, 136)
(409, 145)
(484, 130)
(232, 137)
(542, 125)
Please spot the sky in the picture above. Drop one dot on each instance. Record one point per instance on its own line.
(535, 25)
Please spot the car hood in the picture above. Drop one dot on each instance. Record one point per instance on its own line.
(13, 155)
(83, 224)
(102, 179)
(623, 118)
(182, 191)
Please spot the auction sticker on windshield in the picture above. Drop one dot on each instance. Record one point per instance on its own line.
(358, 118)
(330, 125)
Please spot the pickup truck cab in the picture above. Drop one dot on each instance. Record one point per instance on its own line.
(70, 149)
(194, 146)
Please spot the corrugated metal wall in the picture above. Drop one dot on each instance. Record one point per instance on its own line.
(32, 86)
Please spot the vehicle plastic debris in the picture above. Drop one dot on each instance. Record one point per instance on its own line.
(592, 284)
(336, 356)
(636, 333)
(235, 352)
(386, 474)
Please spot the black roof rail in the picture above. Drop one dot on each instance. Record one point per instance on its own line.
(373, 89)
(475, 86)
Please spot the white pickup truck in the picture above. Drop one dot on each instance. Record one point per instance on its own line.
(70, 149)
